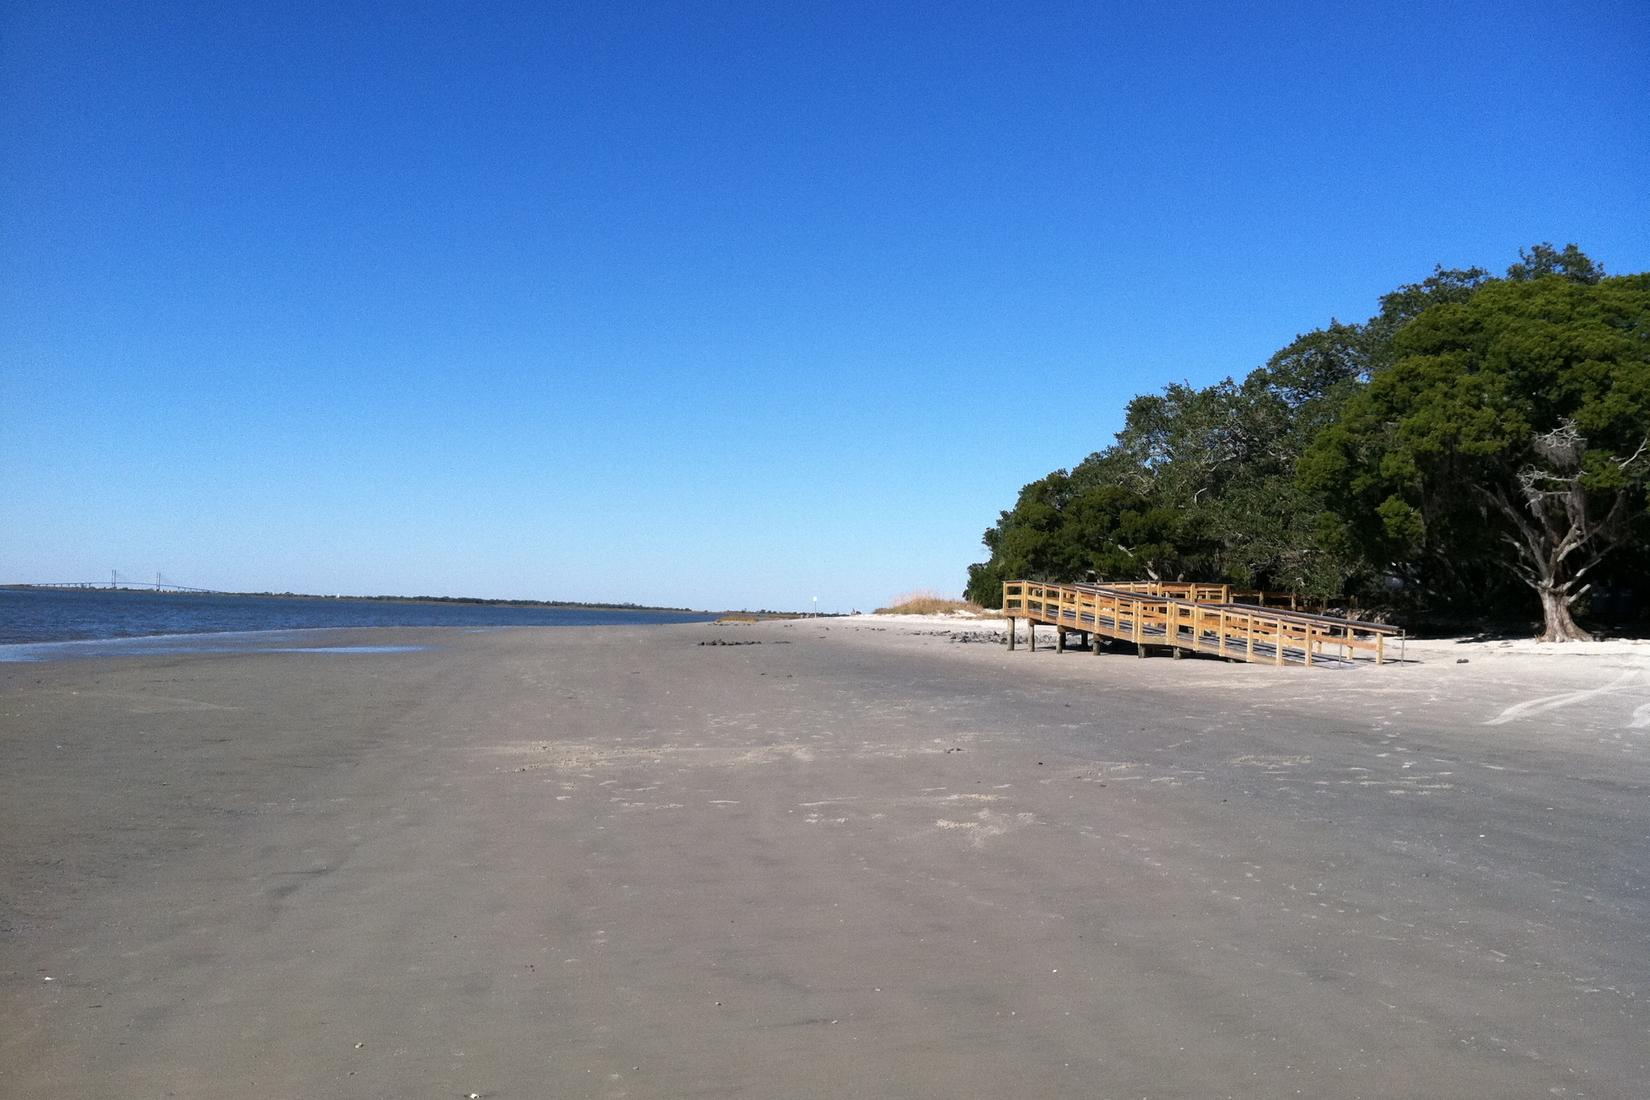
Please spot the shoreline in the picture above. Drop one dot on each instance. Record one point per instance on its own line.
(180, 643)
(140, 645)
(47, 617)
(955, 625)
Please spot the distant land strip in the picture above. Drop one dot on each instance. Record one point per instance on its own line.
(576, 605)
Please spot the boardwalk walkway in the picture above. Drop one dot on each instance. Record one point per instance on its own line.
(1192, 618)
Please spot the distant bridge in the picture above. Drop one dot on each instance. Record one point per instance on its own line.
(117, 581)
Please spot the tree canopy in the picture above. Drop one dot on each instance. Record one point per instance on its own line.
(1511, 433)
(1474, 436)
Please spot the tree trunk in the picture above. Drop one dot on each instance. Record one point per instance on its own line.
(1557, 625)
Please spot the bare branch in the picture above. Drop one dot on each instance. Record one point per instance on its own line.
(1563, 446)
(1644, 445)
(1532, 537)
(1526, 573)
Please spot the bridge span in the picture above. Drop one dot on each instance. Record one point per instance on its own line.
(117, 582)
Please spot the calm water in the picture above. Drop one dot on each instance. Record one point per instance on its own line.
(32, 617)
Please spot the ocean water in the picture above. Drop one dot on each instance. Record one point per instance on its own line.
(34, 616)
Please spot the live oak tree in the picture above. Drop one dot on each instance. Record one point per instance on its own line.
(1510, 431)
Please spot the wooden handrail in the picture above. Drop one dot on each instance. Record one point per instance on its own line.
(1190, 617)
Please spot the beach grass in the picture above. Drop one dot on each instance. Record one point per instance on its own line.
(926, 601)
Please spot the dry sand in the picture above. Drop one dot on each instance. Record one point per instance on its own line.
(859, 858)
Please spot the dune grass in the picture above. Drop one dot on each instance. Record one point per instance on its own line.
(926, 601)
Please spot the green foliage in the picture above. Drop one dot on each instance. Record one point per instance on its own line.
(1365, 459)
(1543, 260)
(1070, 525)
(1199, 483)
(1507, 439)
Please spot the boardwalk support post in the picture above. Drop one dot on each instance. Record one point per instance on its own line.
(1060, 639)
(1011, 633)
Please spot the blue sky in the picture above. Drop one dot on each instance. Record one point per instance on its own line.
(715, 305)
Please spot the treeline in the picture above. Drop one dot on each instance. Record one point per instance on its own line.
(1475, 450)
(479, 601)
(483, 601)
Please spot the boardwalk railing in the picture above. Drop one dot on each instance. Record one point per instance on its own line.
(1180, 590)
(1215, 593)
(1191, 618)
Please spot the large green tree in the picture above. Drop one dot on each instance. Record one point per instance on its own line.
(1076, 524)
(1509, 433)
(1199, 483)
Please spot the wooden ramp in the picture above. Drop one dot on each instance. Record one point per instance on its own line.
(1192, 618)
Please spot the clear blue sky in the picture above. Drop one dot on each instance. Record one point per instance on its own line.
(713, 304)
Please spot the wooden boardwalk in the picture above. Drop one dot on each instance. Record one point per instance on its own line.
(1187, 618)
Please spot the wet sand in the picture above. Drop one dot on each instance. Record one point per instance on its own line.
(851, 860)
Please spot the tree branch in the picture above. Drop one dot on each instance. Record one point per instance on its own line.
(1635, 456)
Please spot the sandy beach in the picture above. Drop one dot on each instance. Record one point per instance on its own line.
(872, 857)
